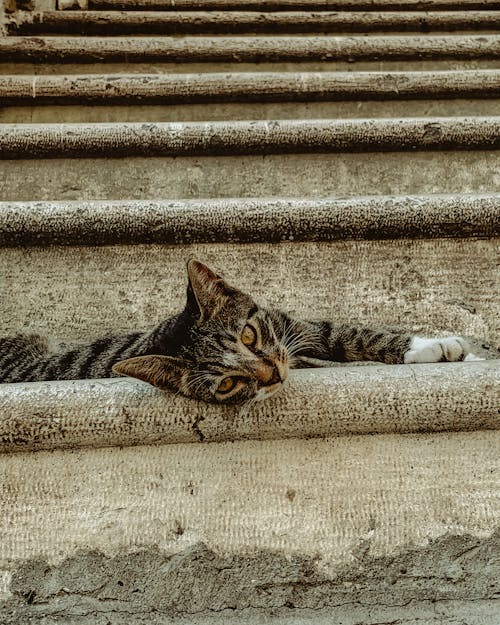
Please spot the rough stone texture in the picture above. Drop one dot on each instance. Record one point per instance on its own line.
(312, 175)
(338, 501)
(355, 529)
(198, 580)
(220, 22)
(248, 49)
(90, 113)
(257, 137)
(316, 403)
(248, 220)
(248, 87)
(189, 67)
(277, 5)
(443, 285)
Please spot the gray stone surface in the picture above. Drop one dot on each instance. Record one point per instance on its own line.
(352, 5)
(240, 111)
(425, 286)
(424, 584)
(248, 87)
(298, 175)
(121, 140)
(248, 49)
(252, 220)
(39, 68)
(231, 22)
(316, 403)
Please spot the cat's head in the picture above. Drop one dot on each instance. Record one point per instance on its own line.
(232, 350)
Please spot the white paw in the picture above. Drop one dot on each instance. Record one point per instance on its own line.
(471, 357)
(446, 349)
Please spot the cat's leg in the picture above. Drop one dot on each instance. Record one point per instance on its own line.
(348, 343)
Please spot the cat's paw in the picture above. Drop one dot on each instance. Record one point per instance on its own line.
(473, 357)
(446, 349)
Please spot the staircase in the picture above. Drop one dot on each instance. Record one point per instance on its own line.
(336, 158)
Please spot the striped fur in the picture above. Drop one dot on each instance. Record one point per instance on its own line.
(221, 348)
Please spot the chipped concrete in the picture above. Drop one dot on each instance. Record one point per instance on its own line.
(151, 586)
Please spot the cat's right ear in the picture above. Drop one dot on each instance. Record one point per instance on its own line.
(207, 292)
(164, 372)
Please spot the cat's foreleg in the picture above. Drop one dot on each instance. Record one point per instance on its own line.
(348, 343)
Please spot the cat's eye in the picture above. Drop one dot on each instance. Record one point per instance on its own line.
(226, 385)
(248, 336)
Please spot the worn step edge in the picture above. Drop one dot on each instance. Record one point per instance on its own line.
(247, 49)
(280, 5)
(248, 220)
(205, 22)
(317, 403)
(28, 141)
(253, 87)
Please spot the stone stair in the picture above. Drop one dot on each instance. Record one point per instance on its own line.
(336, 158)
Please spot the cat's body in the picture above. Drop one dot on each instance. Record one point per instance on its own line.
(222, 347)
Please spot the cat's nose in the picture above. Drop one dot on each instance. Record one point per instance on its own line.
(268, 373)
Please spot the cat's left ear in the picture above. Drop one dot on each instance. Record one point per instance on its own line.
(164, 372)
(207, 292)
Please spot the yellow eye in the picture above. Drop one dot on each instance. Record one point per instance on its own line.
(248, 336)
(226, 385)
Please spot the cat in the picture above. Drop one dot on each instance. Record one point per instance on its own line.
(221, 348)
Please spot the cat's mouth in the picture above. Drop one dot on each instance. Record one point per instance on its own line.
(276, 384)
(266, 392)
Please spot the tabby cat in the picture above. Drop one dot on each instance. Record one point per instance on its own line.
(222, 347)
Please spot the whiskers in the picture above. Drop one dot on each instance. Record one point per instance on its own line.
(297, 340)
(246, 407)
(198, 381)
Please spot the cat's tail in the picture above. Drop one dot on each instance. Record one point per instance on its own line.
(17, 351)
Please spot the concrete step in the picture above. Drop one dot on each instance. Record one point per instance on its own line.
(386, 520)
(265, 95)
(248, 49)
(317, 403)
(144, 113)
(314, 175)
(200, 512)
(248, 220)
(220, 22)
(247, 87)
(427, 286)
(119, 140)
(157, 66)
(286, 5)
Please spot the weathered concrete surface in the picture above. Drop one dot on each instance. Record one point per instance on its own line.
(119, 140)
(248, 87)
(338, 503)
(203, 584)
(248, 220)
(316, 403)
(248, 49)
(228, 22)
(442, 285)
(277, 5)
(159, 67)
(189, 67)
(240, 111)
(312, 175)
(477, 612)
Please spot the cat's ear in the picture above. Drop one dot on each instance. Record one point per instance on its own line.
(207, 292)
(165, 372)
